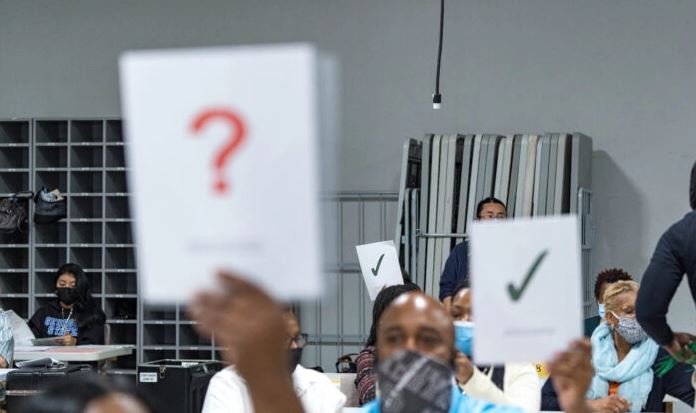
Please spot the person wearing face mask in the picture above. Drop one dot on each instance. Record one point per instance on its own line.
(604, 279)
(227, 391)
(624, 360)
(514, 384)
(74, 317)
(457, 265)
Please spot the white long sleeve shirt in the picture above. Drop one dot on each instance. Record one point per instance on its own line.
(522, 388)
(227, 393)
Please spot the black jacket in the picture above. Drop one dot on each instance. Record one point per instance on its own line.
(675, 255)
(456, 270)
(676, 383)
(48, 321)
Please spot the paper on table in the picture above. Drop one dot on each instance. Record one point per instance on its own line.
(380, 267)
(526, 287)
(222, 151)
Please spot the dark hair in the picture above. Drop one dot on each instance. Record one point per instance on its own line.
(85, 307)
(692, 187)
(489, 200)
(382, 301)
(463, 285)
(610, 276)
(73, 395)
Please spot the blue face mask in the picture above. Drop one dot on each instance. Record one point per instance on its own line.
(601, 311)
(464, 336)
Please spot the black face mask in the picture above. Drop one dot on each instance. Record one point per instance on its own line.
(67, 295)
(294, 356)
(411, 382)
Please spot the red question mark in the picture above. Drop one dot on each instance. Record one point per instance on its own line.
(236, 138)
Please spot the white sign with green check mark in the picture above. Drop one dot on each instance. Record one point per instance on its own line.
(379, 263)
(526, 280)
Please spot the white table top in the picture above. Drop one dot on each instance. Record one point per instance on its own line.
(71, 353)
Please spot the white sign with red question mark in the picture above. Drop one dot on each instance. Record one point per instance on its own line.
(221, 147)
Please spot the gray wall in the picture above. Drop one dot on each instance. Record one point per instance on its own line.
(621, 71)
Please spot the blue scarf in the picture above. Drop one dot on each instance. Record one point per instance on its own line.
(634, 373)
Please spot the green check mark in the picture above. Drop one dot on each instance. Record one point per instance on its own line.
(516, 293)
(379, 263)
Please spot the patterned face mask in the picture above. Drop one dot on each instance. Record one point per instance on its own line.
(411, 382)
(630, 330)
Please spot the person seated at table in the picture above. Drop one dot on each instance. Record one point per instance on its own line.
(227, 391)
(515, 384)
(73, 317)
(457, 265)
(6, 341)
(624, 360)
(603, 280)
(366, 377)
(86, 394)
(414, 327)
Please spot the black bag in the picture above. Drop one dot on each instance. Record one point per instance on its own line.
(346, 364)
(13, 215)
(50, 207)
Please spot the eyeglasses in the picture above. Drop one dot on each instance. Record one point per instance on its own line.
(298, 341)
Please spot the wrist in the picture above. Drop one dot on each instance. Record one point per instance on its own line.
(582, 406)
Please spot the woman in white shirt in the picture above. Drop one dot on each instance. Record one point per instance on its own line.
(227, 392)
(515, 384)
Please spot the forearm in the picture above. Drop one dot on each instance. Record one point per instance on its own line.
(272, 393)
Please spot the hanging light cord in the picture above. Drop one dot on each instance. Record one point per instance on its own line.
(437, 98)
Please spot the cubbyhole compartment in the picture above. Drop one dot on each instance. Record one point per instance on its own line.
(14, 157)
(86, 233)
(117, 207)
(14, 258)
(114, 157)
(14, 283)
(125, 363)
(14, 132)
(86, 257)
(86, 156)
(44, 301)
(114, 131)
(123, 334)
(12, 182)
(118, 233)
(54, 131)
(55, 233)
(51, 157)
(85, 182)
(17, 238)
(86, 131)
(50, 258)
(95, 281)
(159, 334)
(188, 337)
(121, 308)
(154, 355)
(87, 207)
(121, 283)
(120, 257)
(19, 305)
(52, 180)
(195, 354)
(159, 313)
(116, 181)
(44, 282)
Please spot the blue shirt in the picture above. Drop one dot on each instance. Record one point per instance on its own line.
(456, 270)
(460, 404)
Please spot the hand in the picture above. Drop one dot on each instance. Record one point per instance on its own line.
(447, 302)
(679, 348)
(66, 340)
(610, 404)
(572, 374)
(465, 370)
(247, 321)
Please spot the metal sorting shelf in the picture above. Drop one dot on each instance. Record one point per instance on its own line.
(83, 158)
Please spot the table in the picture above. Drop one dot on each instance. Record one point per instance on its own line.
(84, 353)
